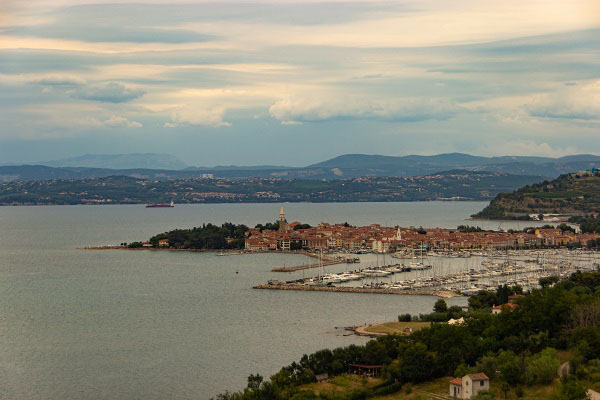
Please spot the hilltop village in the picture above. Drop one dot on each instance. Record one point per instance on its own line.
(382, 239)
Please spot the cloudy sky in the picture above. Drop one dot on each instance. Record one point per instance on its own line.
(292, 83)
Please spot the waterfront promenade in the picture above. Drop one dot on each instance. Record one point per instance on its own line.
(446, 294)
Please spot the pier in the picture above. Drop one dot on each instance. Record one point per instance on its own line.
(325, 261)
(446, 294)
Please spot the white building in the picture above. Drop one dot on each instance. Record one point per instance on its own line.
(469, 385)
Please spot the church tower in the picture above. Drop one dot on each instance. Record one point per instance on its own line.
(282, 222)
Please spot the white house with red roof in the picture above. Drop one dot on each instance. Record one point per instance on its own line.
(469, 385)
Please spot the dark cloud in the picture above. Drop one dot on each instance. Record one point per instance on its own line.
(111, 92)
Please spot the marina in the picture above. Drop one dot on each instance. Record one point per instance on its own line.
(438, 273)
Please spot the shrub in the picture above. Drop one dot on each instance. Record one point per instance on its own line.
(484, 395)
(542, 367)
(389, 389)
(404, 318)
(519, 391)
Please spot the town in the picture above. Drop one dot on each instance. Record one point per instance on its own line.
(424, 261)
(382, 239)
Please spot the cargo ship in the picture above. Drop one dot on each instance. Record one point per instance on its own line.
(170, 205)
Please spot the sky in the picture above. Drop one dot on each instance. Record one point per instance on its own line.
(294, 83)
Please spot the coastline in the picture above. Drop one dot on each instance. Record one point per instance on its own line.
(392, 328)
(329, 201)
(444, 294)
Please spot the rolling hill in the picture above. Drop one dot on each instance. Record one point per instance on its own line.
(157, 166)
(451, 185)
(574, 194)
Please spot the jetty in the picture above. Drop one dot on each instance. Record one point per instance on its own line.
(446, 294)
(325, 261)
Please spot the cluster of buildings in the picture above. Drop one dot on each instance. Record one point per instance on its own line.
(382, 239)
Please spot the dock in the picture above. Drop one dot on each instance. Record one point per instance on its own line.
(326, 262)
(446, 294)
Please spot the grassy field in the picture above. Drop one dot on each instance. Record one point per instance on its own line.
(396, 327)
(346, 383)
(436, 389)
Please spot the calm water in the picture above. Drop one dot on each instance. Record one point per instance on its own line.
(78, 324)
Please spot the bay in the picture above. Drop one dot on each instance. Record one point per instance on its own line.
(82, 324)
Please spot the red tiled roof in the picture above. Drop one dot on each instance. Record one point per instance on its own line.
(480, 376)
(456, 381)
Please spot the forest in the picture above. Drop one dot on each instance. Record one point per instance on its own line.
(517, 348)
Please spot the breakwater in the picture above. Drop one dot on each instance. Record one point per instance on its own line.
(326, 261)
(446, 294)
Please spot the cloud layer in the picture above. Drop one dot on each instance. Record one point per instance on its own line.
(391, 77)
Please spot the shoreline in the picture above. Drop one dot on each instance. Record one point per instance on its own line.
(405, 328)
(362, 331)
(258, 202)
(444, 294)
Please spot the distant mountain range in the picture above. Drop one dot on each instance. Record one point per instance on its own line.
(163, 167)
(119, 161)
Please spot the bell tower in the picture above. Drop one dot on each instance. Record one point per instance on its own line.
(282, 221)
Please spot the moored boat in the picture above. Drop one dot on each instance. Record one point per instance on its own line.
(161, 205)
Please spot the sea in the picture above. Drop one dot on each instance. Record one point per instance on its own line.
(118, 324)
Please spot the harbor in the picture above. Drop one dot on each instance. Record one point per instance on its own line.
(441, 273)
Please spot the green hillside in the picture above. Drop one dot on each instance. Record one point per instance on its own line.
(573, 194)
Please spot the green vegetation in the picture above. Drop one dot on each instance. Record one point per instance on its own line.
(396, 327)
(520, 350)
(570, 194)
(470, 229)
(207, 237)
(485, 299)
(459, 185)
(587, 223)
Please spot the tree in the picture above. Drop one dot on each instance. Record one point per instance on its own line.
(548, 281)
(488, 364)
(510, 367)
(566, 228)
(440, 306)
(302, 226)
(542, 367)
(462, 370)
(572, 390)
(483, 299)
(254, 381)
(505, 387)
(416, 363)
(404, 318)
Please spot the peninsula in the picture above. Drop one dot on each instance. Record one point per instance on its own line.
(569, 196)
